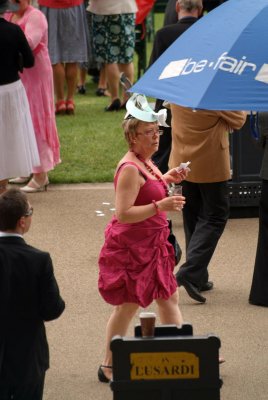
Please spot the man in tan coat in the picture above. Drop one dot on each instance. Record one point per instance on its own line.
(202, 137)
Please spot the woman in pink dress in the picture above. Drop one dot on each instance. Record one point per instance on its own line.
(136, 261)
(38, 82)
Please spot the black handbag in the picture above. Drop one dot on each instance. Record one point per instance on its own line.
(172, 240)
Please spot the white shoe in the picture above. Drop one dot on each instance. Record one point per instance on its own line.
(20, 179)
(36, 187)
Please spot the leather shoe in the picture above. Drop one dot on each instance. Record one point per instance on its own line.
(257, 303)
(206, 286)
(114, 106)
(192, 290)
(101, 375)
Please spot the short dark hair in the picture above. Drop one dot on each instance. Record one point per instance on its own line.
(13, 206)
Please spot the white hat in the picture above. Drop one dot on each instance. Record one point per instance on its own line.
(137, 107)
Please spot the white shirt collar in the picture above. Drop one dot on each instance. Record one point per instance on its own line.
(6, 234)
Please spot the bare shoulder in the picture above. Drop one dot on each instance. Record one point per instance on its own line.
(127, 168)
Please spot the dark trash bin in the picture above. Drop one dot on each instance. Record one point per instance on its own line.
(172, 365)
(245, 185)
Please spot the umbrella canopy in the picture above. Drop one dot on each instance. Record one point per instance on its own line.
(220, 63)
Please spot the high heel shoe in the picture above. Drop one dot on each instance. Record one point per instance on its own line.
(36, 187)
(101, 375)
(20, 179)
(114, 106)
(60, 107)
(81, 89)
(70, 107)
(102, 92)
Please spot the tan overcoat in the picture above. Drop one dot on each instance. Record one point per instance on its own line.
(202, 137)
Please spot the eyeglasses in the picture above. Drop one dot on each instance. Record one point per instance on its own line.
(152, 132)
(29, 213)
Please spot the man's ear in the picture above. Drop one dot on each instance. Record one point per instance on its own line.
(177, 7)
(21, 224)
(200, 11)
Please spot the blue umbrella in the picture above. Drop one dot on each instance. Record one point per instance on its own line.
(220, 63)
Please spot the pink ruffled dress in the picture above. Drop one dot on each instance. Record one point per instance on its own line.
(136, 262)
(38, 83)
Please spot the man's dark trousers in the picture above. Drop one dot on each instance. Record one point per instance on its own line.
(204, 217)
(23, 391)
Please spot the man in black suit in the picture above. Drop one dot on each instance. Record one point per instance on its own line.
(188, 12)
(29, 295)
(171, 16)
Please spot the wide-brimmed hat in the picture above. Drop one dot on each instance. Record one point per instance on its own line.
(8, 6)
(137, 107)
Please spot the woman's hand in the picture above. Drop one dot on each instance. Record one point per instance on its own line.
(174, 176)
(172, 203)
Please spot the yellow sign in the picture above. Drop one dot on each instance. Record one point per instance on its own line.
(179, 365)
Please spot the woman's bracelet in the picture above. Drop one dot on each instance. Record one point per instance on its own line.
(157, 211)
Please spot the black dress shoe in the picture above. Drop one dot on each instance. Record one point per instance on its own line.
(101, 376)
(114, 106)
(81, 89)
(192, 290)
(100, 92)
(257, 303)
(206, 286)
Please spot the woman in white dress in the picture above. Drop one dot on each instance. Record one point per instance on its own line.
(18, 148)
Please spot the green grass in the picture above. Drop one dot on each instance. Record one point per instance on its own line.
(92, 141)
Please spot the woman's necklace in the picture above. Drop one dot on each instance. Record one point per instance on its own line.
(152, 172)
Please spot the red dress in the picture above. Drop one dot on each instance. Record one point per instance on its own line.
(136, 262)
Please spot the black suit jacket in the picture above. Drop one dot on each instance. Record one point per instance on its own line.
(15, 52)
(167, 35)
(171, 15)
(29, 295)
(163, 39)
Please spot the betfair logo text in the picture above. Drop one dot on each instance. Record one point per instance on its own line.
(224, 63)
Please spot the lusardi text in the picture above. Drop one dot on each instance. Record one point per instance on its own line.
(167, 365)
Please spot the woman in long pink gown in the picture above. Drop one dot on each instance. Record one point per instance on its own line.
(38, 82)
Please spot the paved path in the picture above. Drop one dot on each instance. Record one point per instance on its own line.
(66, 224)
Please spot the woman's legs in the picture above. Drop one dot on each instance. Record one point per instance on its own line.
(81, 83)
(117, 325)
(59, 79)
(122, 315)
(71, 79)
(112, 75)
(112, 72)
(102, 84)
(61, 73)
(169, 311)
(128, 69)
